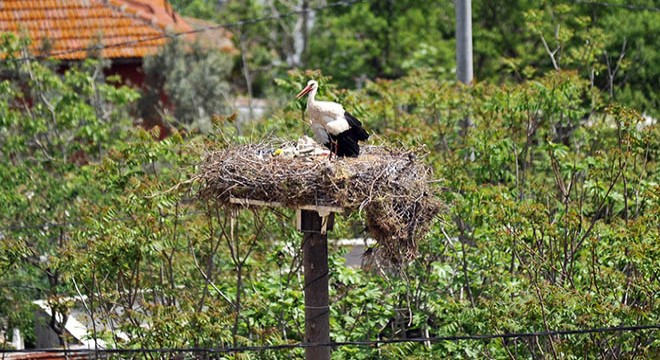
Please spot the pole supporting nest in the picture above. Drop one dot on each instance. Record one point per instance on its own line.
(325, 213)
(314, 226)
(314, 221)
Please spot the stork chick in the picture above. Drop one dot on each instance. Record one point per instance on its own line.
(333, 126)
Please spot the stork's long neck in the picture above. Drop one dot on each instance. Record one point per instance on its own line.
(310, 97)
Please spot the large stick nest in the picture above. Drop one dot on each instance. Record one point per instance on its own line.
(391, 187)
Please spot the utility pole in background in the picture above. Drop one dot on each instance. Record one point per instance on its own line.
(305, 33)
(464, 72)
(464, 41)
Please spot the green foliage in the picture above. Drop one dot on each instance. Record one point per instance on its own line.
(383, 39)
(551, 198)
(52, 126)
(614, 46)
(549, 184)
(192, 81)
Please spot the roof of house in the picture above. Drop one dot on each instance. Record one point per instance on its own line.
(65, 26)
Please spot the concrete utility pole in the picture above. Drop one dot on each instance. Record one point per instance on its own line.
(464, 72)
(464, 54)
(305, 33)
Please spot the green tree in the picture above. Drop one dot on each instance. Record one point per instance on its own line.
(513, 41)
(382, 39)
(51, 127)
(188, 81)
(525, 39)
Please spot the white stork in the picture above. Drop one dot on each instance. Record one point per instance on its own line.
(333, 126)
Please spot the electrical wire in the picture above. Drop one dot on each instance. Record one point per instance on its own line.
(370, 343)
(235, 24)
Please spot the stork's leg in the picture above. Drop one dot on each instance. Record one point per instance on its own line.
(333, 148)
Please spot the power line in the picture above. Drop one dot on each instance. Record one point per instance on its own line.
(623, 6)
(238, 23)
(435, 339)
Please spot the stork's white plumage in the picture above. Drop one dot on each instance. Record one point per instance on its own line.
(333, 126)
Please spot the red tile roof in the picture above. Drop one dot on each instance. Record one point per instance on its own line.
(68, 25)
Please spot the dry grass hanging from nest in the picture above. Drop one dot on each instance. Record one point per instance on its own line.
(392, 187)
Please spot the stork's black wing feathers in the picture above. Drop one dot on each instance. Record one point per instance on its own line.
(347, 141)
(346, 145)
(356, 126)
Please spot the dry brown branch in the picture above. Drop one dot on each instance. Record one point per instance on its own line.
(392, 187)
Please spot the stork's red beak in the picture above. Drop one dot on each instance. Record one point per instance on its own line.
(304, 91)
